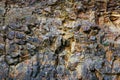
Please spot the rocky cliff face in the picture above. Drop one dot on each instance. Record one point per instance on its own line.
(59, 40)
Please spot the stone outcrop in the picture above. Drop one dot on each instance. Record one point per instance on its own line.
(59, 40)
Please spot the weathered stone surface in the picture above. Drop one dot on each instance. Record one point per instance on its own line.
(59, 40)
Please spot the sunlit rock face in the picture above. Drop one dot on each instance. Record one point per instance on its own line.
(59, 40)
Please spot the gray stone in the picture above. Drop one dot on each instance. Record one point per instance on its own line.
(107, 70)
(11, 61)
(107, 77)
(20, 35)
(2, 11)
(51, 2)
(117, 70)
(98, 64)
(33, 40)
(92, 38)
(2, 48)
(21, 42)
(60, 69)
(14, 26)
(58, 42)
(91, 67)
(11, 35)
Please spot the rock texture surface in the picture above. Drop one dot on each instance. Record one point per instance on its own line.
(59, 40)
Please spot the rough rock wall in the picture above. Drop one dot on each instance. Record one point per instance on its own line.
(59, 40)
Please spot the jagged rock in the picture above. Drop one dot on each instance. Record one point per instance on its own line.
(59, 40)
